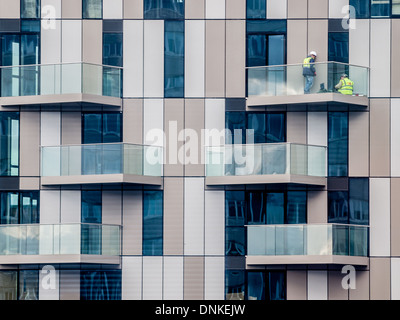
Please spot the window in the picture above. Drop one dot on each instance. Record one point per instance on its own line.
(91, 217)
(255, 285)
(289, 207)
(338, 136)
(338, 46)
(9, 147)
(101, 127)
(380, 8)
(255, 127)
(16, 50)
(28, 285)
(30, 9)
(153, 223)
(266, 42)
(100, 284)
(361, 7)
(256, 9)
(9, 283)
(235, 219)
(164, 9)
(174, 59)
(350, 206)
(395, 7)
(112, 49)
(92, 9)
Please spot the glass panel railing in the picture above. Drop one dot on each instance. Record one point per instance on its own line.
(308, 239)
(63, 239)
(98, 159)
(266, 159)
(51, 79)
(287, 80)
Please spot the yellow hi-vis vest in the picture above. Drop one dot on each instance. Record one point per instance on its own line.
(347, 86)
(306, 62)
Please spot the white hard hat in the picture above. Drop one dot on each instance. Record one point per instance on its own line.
(313, 53)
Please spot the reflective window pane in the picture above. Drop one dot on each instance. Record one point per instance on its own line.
(29, 207)
(256, 123)
(235, 241)
(256, 285)
(256, 50)
(174, 59)
(276, 127)
(234, 284)
(235, 123)
(100, 285)
(112, 49)
(30, 9)
(296, 207)
(9, 208)
(361, 7)
(91, 206)
(395, 7)
(153, 223)
(359, 201)
(28, 285)
(380, 8)
(338, 144)
(338, 207)
(112, 127)
(338, 47)
(9, 285)
(235, 208)
(275, 208)
(256, 208)
(256, 9)
(164, 9)
(277, 286)
(92, 9)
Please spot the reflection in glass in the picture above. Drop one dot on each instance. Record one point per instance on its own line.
(153, 223)
(277, 285)
(338, 136)
(256, 9)
(338, 207)
(30, 9)
(275, 208)
(235, 242)
(164, 9)
(92, 9)
(234, 284)
(296, 207)
(8, 287)
(100, 285)
(28, 285)
(256, 285)
(256, 211)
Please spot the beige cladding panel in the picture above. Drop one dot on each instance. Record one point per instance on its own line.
(318, 38)
(235, 58)
(317, 204)
(133, 121)
(195, 120)
(379, 138)
(215, 58)
(71, 9)
(173, 124)
(132, 214)
(29, 144)
(296, 284)
(193, 278)
(318, 9)
(70, 284)
(358, 144)
(335, 288)
(361, 292)
(395, 216)
(10, 9)
(296, 41)
(71, 128)
(296, 127)
(235, 9)
(194, 9)
(297, 9)
(93, 41)
(395, 61)
(380, 278)
(173, 216)
(133, 9)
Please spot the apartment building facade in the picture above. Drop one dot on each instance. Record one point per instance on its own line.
(166, 150)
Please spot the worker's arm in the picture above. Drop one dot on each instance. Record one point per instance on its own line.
(339, 85)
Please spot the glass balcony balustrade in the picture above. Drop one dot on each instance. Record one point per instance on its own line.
(60, 79)
(308, 240)
(285, 81)
(100, 160)
(269, 161)
(60, 239)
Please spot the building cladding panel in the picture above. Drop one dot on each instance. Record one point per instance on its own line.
(191, 219)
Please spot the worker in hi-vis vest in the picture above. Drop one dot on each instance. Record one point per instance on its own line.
(345, 85)
(309, 71)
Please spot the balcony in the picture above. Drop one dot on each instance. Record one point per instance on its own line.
(277, 85)
(60, 243)
(270, 163)
(60, 83)
(101, 164)
(307, 244)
